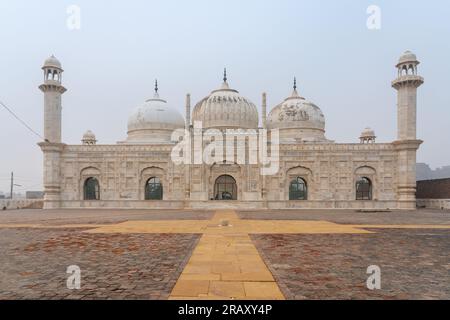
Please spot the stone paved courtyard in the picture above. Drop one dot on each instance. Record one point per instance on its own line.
(135, 266)
(414, 264)
(149, 254)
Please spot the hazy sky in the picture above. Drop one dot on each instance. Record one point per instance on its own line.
(111, 63)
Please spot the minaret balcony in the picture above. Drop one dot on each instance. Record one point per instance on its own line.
(407, 80)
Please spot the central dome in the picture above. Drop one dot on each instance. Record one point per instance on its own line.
(226, 108)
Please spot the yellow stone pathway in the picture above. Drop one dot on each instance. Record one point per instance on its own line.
(226, 265)
(237, 226)
(49, 226)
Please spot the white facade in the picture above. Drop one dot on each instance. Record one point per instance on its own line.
(314, 172)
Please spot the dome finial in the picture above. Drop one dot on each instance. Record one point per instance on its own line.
(225, 83)
(294, 92)
(156, 95)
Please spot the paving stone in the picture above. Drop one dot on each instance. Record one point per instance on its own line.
(38, 259)
(140, 254)
(413, 264)
(262, 290)
(227, 289)
(192, 288)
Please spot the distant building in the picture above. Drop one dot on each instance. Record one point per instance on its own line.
(433, 189)
(35, 195)
(424, 172)
(433, 194)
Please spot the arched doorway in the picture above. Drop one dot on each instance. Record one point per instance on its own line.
(153, 189)
(298, 189)
(91, 189)
(363, 189)
(225, 188)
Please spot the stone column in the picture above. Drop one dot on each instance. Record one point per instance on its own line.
(188, 111)
(52, 174)
(264, 110)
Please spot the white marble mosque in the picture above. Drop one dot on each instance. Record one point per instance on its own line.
(314, 172)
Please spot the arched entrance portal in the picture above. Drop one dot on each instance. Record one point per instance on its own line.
(225, 188)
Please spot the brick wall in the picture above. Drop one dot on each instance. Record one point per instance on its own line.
(433, 189)
(8, 204)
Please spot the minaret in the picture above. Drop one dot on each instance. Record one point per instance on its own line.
(406, 84)
(407, 144)
(52, 146)
(53, 91)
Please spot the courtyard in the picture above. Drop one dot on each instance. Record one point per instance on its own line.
(224, 254)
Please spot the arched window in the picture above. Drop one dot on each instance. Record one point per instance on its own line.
(153, 189)
(363, 189)
(91, 189)
(225, 188)
(298, 189)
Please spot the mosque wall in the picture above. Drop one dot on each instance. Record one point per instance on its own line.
(329, 170)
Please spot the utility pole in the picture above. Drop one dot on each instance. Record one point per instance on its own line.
(12, 185)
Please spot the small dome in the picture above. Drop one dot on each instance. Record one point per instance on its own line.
(153, 121)
(89, 138)
(368, 133)
(226, 108)
(406, 57)
(52, 62)
(300, 118)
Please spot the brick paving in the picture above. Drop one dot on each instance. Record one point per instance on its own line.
(98, 216)
(415, 264)
(135, 255)
(424, 216)
(33, 264)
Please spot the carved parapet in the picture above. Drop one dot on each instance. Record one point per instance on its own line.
(52, 87)
(409, 80)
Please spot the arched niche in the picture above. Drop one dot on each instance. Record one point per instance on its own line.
(152, 172)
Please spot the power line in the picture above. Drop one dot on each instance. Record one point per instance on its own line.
(20, 120)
